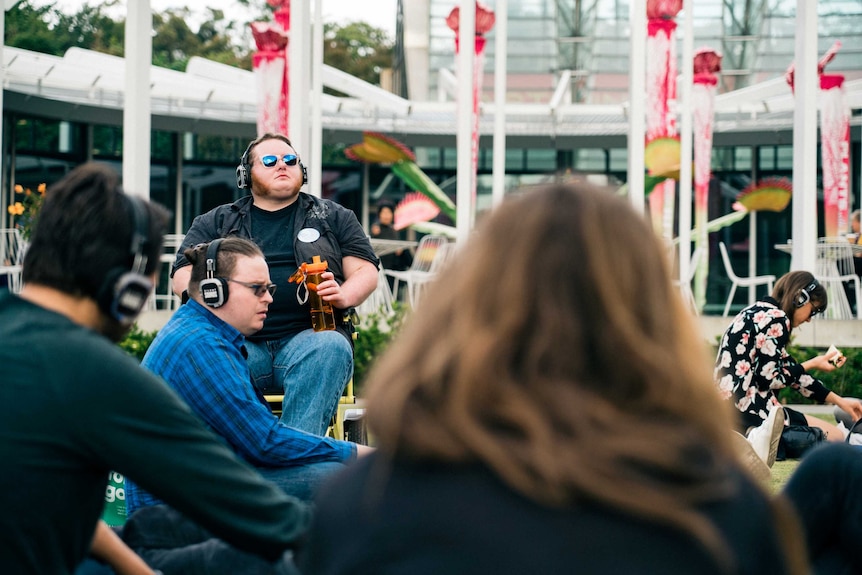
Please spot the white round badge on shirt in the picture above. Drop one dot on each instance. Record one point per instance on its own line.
(308, 235)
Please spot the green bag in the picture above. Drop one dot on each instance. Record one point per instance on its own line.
(114, 513)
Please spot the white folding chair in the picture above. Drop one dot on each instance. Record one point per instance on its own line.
(421, 279)
(834, 267)
(749, 282)
(380, 300)
(170, 244)
(422, 260)
(12, 247)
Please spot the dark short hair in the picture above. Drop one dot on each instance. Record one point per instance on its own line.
(247, 155)
(385, 204)
(789, 286)
(228, 251)
(84, 232)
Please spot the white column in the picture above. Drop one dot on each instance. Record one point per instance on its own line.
(464, 187)
(179, 144)
(315, 153)
(299, 74)
(684, 90)
(805, 138)
(136, 107)
(501, 22)
(637, 99)
(4, 184)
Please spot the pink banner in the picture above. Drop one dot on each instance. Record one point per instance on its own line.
(270, 66)
(661, 75)
(484, 22)
(835, 154)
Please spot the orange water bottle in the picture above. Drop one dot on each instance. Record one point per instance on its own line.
(322, 314)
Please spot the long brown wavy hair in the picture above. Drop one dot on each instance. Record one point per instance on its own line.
(555, 351)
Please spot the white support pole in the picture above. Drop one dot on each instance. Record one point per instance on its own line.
(299, 78)
(686, 141)
(498, 186)
(315, 175)
(464, 138)
(806, 87)
(752, 254)
(4, 183)
(179, 139)
(136, 109)
(637, 102)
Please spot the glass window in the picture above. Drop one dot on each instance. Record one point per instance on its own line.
(586, 160)
(37, 135)
(784, 157)
(107, 141)
(767, 158)
(542, 160)
(217, 148)
(742, 158)
(162, 146)
(619, 160)
(428, 157)
(514, 160)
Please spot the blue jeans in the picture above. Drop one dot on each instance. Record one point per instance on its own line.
(301, 481)
(174, 545)
(310, 368)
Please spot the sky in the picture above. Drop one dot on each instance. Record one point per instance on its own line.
(378, 13)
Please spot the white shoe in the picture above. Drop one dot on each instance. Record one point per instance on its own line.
(764, 439)
(750, 460)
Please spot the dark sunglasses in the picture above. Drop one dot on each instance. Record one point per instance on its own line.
(816, 310)
(270, 161)
(258, 289)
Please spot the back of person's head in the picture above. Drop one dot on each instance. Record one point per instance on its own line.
(794, 289)
(89, 233)
(555, 350)
(229, 249)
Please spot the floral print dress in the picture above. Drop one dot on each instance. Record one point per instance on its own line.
(752, 363)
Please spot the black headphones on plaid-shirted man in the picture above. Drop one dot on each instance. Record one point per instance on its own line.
(213, 289)
(243, 170)
(124, 292)
(805, 293)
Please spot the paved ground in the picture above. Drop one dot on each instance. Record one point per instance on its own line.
(813, 409)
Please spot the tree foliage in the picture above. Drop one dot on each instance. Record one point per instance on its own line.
(46, 29)
(174, 42)
(356, 48)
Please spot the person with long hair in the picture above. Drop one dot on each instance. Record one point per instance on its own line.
(752, 363)
(549, 409)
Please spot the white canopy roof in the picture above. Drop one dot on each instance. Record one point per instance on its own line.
(210, 97)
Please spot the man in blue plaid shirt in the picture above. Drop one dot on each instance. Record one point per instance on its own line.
(200, 354)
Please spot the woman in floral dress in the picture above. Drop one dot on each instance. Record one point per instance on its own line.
(753, 363)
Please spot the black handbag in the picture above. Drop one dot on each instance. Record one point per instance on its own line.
(797, 439)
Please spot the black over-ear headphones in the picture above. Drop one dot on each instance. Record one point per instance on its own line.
(243, 170)
(213, 289)
(124, 292)
(805, 293)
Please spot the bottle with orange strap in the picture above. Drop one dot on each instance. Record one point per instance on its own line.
(309, 275)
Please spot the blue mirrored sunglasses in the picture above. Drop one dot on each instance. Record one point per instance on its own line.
(270, 161)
